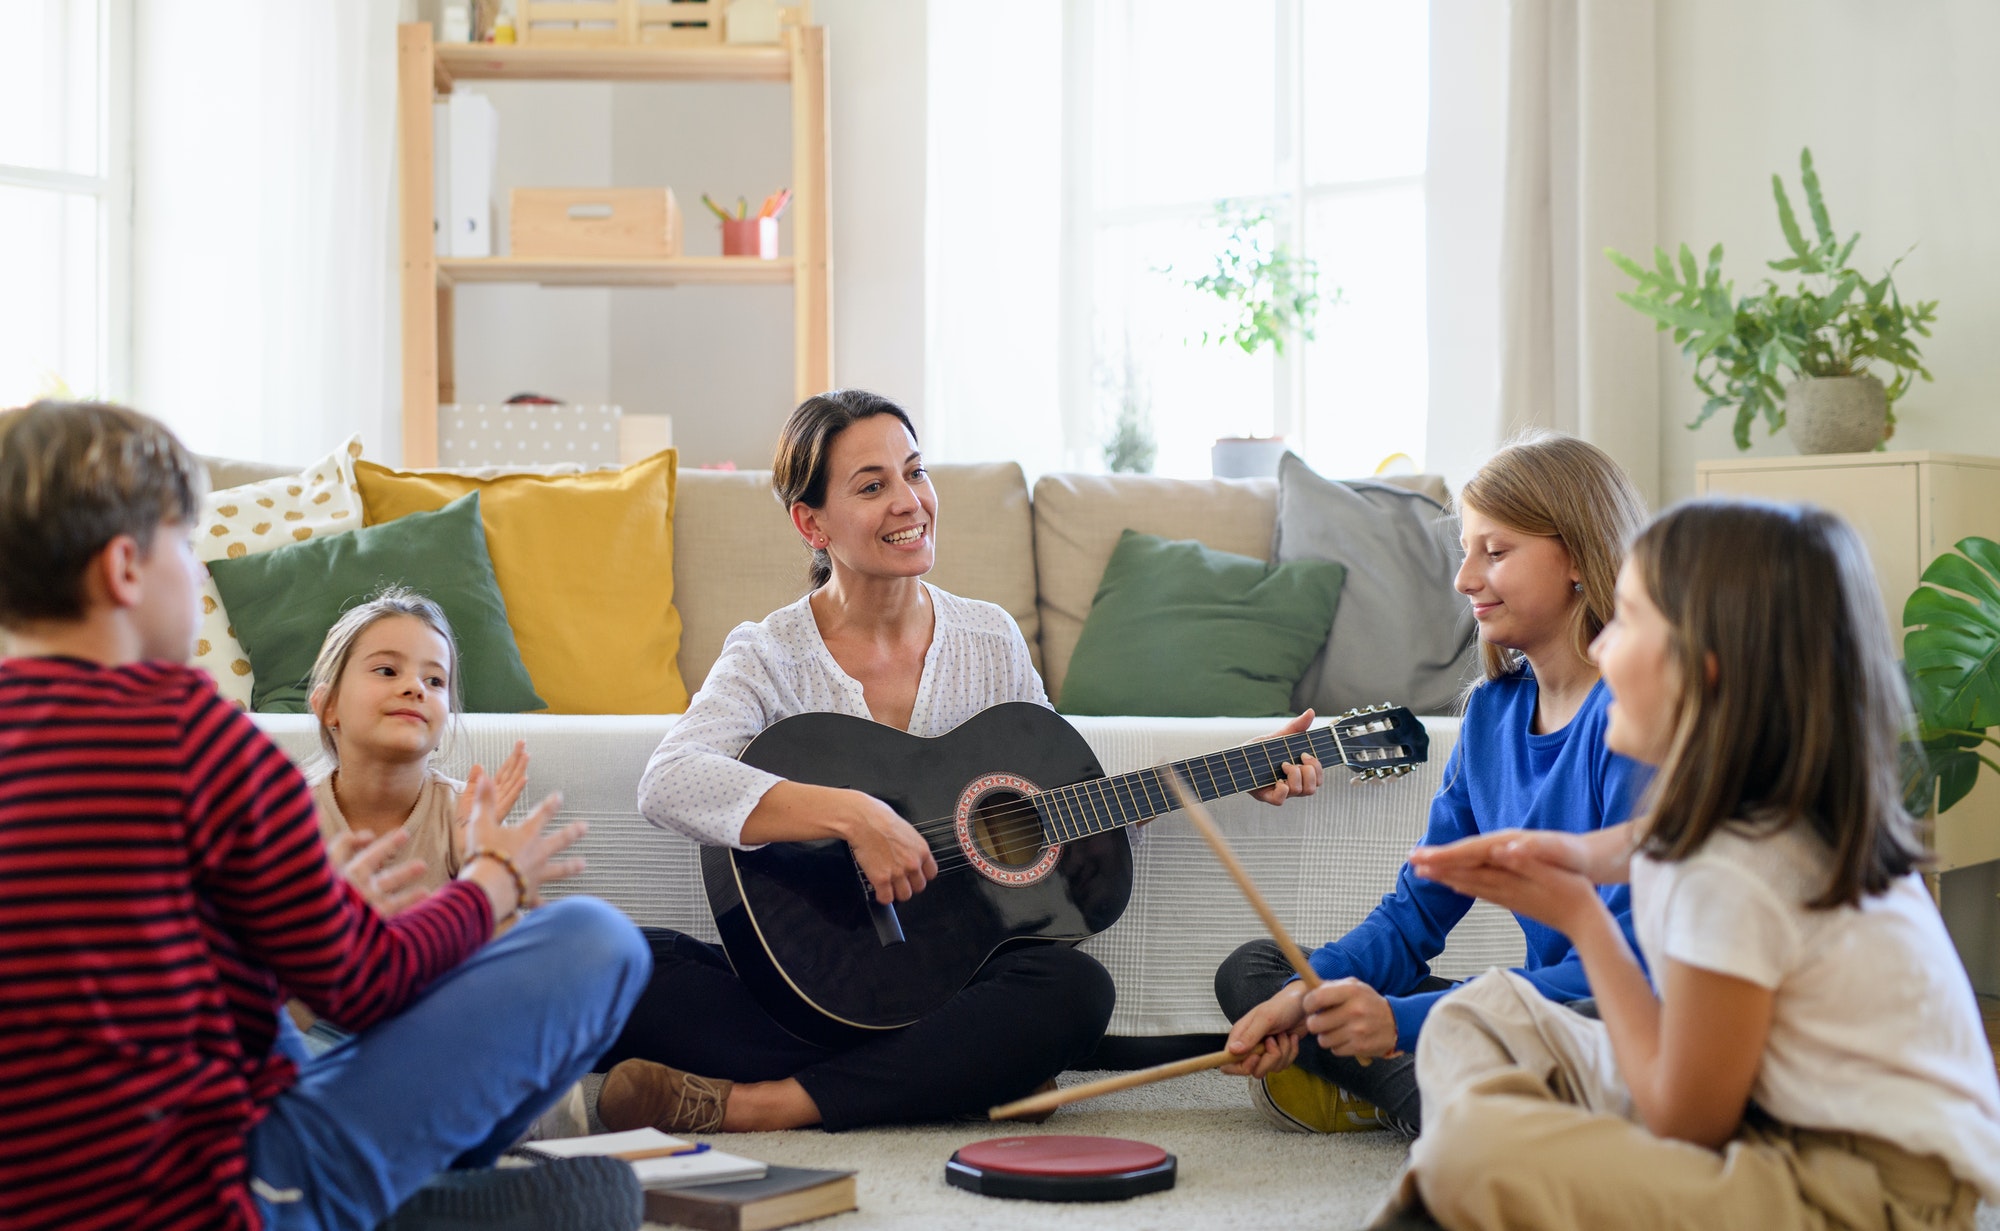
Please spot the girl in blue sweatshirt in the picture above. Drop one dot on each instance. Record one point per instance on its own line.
(1544, 524)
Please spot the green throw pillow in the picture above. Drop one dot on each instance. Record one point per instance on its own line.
(283, 602)
(1182, 630)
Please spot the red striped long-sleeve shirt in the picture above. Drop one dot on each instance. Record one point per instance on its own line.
(161, 880)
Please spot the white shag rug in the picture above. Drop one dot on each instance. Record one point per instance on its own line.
(1236, 1172)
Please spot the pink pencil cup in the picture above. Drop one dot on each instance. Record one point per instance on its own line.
(750, 237)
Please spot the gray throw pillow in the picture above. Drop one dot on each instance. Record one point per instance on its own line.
(1403, 634)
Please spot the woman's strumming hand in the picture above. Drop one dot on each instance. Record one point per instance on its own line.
(893, 856)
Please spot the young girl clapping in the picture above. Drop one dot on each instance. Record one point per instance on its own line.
(385, 689)
(1808, 1052)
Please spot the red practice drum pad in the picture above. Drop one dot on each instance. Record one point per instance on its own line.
(1059, 1168)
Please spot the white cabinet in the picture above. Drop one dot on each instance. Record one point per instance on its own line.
(1909, 508)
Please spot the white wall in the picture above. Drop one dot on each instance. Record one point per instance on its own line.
(1898, 103)
(718, 359)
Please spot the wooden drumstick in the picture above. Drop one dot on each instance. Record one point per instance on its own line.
(1035, 1104)
(1039, 1103)
(1205, 825)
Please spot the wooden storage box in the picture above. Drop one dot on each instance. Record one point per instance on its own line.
(605, 223)
(603, 23)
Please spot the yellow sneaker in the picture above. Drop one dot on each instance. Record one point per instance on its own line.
(1301, 1102)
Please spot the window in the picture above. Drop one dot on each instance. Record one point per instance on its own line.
(1148, 115)
(1310, 113)
(65, 198)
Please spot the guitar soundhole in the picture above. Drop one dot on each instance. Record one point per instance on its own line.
(1007, 830)
(1001, 833)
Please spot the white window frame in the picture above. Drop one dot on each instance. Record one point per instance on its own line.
(1083, 220)
(112, 374)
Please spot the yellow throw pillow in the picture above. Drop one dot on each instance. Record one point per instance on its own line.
(256, 517)
(586, 565)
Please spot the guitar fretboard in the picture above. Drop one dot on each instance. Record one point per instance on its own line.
(1104, 804)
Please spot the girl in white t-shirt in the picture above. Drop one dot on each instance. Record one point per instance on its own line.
(1810, 1053)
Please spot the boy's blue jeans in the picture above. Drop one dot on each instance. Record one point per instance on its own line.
(454, 1079)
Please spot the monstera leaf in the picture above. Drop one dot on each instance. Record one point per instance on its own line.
(1952, 655)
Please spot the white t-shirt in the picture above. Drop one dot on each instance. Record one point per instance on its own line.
(780, 667)
(1875, 1028)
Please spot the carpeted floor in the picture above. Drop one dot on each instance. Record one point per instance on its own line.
(1236, 1171)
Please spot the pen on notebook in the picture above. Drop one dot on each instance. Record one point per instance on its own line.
(673, 1151)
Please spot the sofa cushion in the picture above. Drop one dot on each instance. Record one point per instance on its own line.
(586, 562)
(737, 557)
(284, 602)
(1079, 518)
(1404, 634)
(255, 514)
(1179, 630)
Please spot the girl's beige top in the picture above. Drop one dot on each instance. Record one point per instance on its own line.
(433, 827)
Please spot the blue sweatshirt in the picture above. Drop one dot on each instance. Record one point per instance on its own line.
(1500, 776)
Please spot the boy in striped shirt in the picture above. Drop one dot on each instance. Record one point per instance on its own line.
(163, 887)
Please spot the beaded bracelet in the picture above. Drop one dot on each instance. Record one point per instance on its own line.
(520, 885)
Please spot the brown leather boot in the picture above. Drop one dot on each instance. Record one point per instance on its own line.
(643, 1094)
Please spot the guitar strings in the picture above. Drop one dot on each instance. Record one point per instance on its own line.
(1011, 824)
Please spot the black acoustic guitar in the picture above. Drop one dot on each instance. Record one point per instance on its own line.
(1023, 824)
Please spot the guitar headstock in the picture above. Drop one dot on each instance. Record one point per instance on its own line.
(1381, 741)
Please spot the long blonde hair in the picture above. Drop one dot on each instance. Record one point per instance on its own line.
(1803, 717)
(1555, 486)
(339, 647)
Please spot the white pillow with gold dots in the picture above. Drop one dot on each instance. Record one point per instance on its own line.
(242, 521)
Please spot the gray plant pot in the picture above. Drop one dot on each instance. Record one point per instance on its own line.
(1836, 414)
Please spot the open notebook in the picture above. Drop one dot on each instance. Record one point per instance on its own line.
(662, 1162)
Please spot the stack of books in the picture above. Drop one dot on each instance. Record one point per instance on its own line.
(693, 1185)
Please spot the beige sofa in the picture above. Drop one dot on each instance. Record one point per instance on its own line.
(1323, 862)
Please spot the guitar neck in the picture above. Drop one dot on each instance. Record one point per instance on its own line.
(1104, 804)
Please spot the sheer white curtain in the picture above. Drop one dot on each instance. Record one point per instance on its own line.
(264, 244)
(1581, 141)
(993, 239)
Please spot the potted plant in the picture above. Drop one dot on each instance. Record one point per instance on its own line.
(1798, 357)
(1952, 655)
(1269, 292)
(1270, 297)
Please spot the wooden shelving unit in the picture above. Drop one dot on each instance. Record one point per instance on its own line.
(425, 70)
(680, 271)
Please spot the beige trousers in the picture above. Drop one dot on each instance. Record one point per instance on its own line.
(1527, 1124)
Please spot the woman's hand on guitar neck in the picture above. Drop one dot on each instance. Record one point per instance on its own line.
(893, 856)
(1301, 777)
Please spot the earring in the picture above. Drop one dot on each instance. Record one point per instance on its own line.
(1579, 587)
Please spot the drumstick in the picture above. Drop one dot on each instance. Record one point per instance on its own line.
(1038, 1103)
(1035, 1104)
(1205, 825)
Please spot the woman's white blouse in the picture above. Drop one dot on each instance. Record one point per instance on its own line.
(779, 667)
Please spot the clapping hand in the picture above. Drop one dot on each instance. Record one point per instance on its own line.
(1537, 873)
(524, 857)
(360, 855)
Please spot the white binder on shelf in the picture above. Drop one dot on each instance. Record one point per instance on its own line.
(440, 177)
(473, 141)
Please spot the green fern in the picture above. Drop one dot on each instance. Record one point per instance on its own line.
(1834, 322)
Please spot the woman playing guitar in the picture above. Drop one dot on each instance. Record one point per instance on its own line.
(872, 640)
